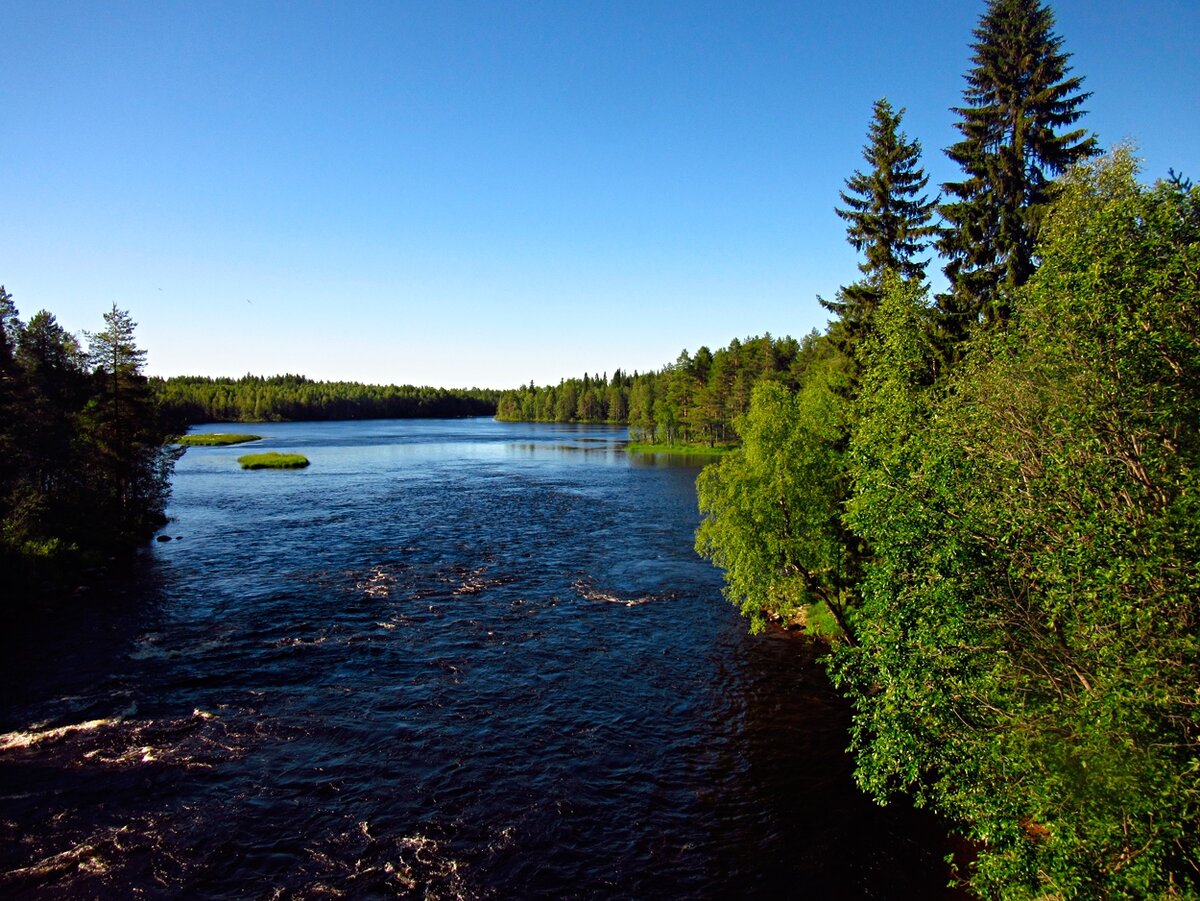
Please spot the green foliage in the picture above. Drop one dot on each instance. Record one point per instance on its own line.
(125, 431)
(772, 509)
(1017, 103)
(215, 439)
(1028, 649)
(273, 460)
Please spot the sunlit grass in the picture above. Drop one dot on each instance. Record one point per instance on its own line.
(215, 439)
(820, 622)
(273, 460)
(687, 450)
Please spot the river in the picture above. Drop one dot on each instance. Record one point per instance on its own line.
(450, 659)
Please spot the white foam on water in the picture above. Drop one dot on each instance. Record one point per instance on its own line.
(590, 593)
(34, 736)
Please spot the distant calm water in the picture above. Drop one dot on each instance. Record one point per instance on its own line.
(450, 659)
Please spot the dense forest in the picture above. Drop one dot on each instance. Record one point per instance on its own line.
(84, 462)
(988, 497)
(695, 400)
(194, 399)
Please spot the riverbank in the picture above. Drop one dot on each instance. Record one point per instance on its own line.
(684, 450)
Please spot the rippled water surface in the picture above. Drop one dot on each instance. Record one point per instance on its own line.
(450, 659)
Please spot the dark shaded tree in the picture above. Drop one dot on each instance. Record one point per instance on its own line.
(125, 435)
(1018, 106)
(193, 399)
(55, 386)
(84, 466)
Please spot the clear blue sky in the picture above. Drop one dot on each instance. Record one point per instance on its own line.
(487, 193)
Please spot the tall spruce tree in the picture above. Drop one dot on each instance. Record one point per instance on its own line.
(888, 221)
(125, 431)
(1017, 102)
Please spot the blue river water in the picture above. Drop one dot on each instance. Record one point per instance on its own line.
(450, 659)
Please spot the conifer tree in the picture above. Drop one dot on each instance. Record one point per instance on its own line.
(888, 219)
(124, 430)
(1017, 102)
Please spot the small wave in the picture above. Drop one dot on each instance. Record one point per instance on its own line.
(295, 642)
(98, 855)
(470, 580)
(25, 739)
(589, 592)
(377, 583)
(148, 648)
(360, 862)
(201, 741)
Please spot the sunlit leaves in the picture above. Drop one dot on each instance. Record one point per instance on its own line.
(772, 510)
(1028, 651)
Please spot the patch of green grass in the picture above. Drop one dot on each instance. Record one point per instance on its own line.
(688, 450)
(819, 621)
(215, 439)
(273, 460)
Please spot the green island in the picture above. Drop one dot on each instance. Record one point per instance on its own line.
(215, 439)
(273, 460)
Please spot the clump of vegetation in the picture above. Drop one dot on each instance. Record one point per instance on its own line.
(820, 623)
(215, 439)
(273, 460)
(683, 450)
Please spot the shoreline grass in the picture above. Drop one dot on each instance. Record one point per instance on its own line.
(215, 439)
(685, 450)
(273, 460)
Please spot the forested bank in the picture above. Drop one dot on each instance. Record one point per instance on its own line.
(193, 399)
(84, 465)
(694, 400)
(992, 491)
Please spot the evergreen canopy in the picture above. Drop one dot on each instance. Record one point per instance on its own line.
(888, 219)
(1017, 104)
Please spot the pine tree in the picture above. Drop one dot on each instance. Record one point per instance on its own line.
(888, 220)
(1017, 101)
(125, 431)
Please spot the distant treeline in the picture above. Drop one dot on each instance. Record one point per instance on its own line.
(694, 400)
(193, 399)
